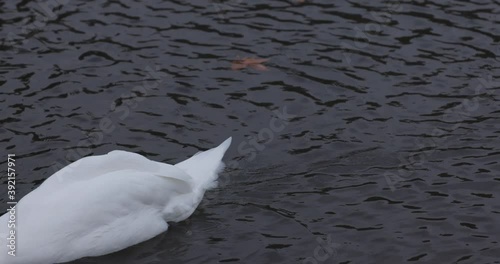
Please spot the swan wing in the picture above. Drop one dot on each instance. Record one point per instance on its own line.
(96, 216)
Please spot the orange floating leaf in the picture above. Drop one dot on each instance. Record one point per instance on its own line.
(254, 63)
(258, 67)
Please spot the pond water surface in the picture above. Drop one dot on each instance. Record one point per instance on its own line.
(373, 136)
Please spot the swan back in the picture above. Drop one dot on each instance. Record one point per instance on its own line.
(102, 204)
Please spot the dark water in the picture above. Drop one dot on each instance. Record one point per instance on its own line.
(385, 146)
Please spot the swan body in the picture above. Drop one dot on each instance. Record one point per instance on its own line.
(102, 204)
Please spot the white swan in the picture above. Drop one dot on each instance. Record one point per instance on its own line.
(102, 204)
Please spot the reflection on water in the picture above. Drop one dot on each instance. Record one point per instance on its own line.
(391, 153)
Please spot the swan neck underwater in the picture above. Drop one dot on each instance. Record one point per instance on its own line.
(102, 204)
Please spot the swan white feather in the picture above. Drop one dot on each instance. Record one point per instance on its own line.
(103, 204)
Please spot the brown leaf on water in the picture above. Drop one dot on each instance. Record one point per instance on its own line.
(258, 67)
(254, 63)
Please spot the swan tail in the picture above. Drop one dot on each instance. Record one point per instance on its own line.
(205, 166)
